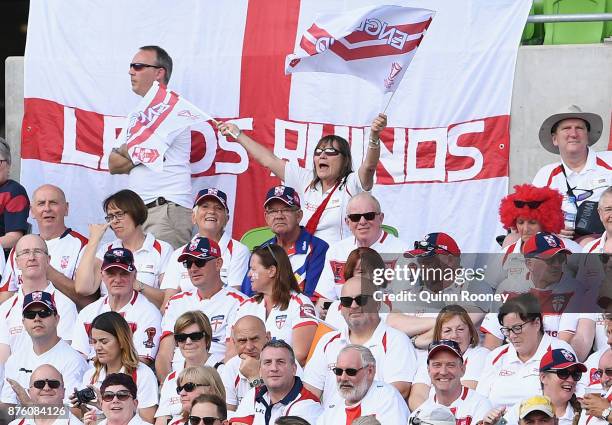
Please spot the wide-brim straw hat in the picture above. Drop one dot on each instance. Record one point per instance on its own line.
(595, 124)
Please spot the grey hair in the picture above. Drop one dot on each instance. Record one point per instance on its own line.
(607, 192)
(163, 59)
(365, 195)
(5, 151)
(367, 358)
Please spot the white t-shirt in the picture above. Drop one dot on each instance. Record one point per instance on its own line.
(64, 255)
(136, 420)
(235, 257)
(382, 401)
(150, 260)
(469, 408)
(21, 364)
(505, 379)
(71, 420)
(332, 277)
(392, 349)
(142, 316)
(332, 227)
(280, 323)
(473, 359)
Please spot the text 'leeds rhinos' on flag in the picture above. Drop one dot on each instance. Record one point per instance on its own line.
(151, 127)
(374, 43)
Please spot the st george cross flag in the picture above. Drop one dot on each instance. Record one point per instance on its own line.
(373, 43)
(152, 125)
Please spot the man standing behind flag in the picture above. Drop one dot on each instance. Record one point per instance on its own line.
(154, 149)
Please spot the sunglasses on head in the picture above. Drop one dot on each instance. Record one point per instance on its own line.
(121, 395)
(532, 205)
(564, 374)
(426, 246)
(140, 66)
(360, 300)
(40, 383)
(194, 336)
(607, 371)
(189, 387)
(350, 371)
(208, 420)
(369, 216)
(31, 314)
(329, 151)
(199, 263)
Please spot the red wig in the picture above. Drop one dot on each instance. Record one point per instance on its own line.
(548, 213)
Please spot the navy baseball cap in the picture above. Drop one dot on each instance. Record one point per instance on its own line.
(286, 194)
(212, 192)
(544, 245)
(39, 297)
(200, 248)
(434, 243)
(444, 345)
(560, 358)
(119, 257)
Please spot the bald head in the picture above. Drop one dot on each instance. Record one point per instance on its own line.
(33, 260)
(30, 241)
(46, 371)
(57, 193)
(43, 378)
(49, 208)
(249, 335)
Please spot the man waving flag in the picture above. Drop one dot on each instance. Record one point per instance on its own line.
(374, 43)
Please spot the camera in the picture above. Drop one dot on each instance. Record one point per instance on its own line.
(85, 395)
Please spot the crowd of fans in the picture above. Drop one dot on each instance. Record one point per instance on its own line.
(307, 327)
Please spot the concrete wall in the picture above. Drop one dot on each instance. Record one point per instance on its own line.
(547, 79)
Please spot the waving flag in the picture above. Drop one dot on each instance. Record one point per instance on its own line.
(373, 43)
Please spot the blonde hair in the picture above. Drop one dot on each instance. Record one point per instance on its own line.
(203, 375)
(195, 318)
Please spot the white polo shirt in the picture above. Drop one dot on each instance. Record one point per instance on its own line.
(220, 310)
(469, 408)
(143, 377)
(382, 401)
(505, 379)
(280, 323)
(12, 332)
(142, 316)
(392, 349)
(71, 420)
(332, 276)
(473, 359)
(591, 379)
(256, 405)
(150, 260)
(136, 420)
(593, 420)
(21, 364)
(512, 414)
(332, 226)
(64, 255)
(235, 257)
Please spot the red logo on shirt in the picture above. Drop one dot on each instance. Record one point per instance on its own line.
(64, 261)
(150, 334)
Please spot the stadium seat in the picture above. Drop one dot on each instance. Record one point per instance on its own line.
(256, 236)
(573, 32)
(390, 229)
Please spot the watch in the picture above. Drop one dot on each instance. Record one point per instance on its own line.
(606, 412)
(256, 382)
(141, 286)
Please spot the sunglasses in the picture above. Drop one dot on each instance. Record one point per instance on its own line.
(607, 371)
(40, 384)
(564, 374)
(532, 205)
(43, 314)
(350, 371)
(121, 395)
(194, 336)
(208, 420)
(199, 263)
(328, 151)
(269, 250)
(140, 66)
(426, 246)
(369, 216)
(360, 300)
(189, 387)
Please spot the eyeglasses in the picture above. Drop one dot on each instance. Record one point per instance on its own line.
(118, 215)
(199, 263)
(282, 211)
(121, 395)
(208, 420)
(360, 300)
(350, 371)
(194, 336)
(31, 314)
(516, 329)
(607, 371)
(328, 151)
(424, 245)
(36, 252)
(189, 387)
(369, 216)
(564, 374)
(40, 384)
(532, 205)
(140, 66)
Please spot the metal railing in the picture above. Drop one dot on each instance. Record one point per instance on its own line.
(578, 17)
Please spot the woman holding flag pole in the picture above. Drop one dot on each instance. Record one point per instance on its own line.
(328, 186)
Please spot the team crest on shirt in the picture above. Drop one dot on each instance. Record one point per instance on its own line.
(150, 332)
(64, 261)
(463, 421)
(216, 321)
(307, 311)
(594, 376)
(558, 303)
(280, 320)
(505, 372)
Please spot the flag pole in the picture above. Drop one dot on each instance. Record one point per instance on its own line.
(217, 123)
(389, 101)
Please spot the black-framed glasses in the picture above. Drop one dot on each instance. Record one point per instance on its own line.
(118, 216)
(532, 205)
(282, 211)
(140, 66)
(369, 216)
(199, 263)
(607, 371)
(208, 420)
(427, 246)
(360, 300)
(43, 314)
(194, 336)
(564, 374)
(36, 252)
(189, 387)
(329, 151)
(121, 395)
(516, 329)
(350, 371)
(40, 384)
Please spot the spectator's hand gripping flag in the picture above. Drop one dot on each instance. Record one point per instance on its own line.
(375, 43)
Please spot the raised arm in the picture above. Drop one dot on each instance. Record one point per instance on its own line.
(88, 276)
(257, 151)
(368, 166)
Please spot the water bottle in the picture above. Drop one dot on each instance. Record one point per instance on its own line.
(570, 210)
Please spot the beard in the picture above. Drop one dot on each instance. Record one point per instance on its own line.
(353, 393)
